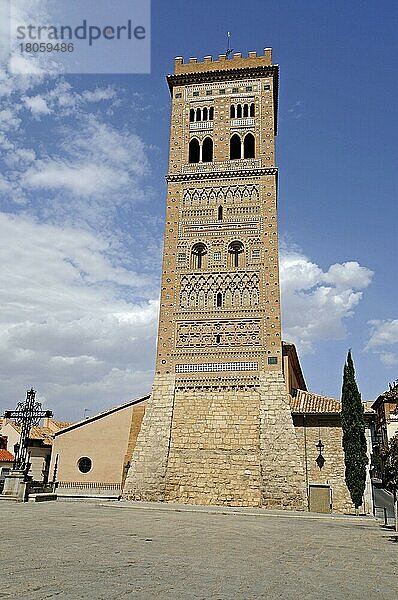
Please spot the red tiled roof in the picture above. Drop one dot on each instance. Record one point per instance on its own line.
(306, 402)
(39, 433)
(6, 456)
(62, 424)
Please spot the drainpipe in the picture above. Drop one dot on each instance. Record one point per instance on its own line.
(306, 459)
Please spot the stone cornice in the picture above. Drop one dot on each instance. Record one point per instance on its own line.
(244, 173)
(223, 75)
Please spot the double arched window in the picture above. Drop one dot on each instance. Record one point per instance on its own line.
(198, 254)
(235, 250)
(242, 110)
(200, 152)
(201, 114)
(242, 148)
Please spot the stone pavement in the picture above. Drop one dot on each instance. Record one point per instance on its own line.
(76, 550)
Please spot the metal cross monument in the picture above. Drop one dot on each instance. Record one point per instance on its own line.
(26, 415)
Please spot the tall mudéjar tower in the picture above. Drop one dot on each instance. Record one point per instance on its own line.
(218, 427)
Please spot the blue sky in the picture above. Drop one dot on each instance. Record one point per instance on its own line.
(82, 197)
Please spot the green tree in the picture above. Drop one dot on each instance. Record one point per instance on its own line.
(354, 440)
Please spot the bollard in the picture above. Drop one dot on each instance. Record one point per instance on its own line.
(385, 516)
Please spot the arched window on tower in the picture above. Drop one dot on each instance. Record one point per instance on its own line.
(235, 147)
(207, 150)
(198, 114)
(232, 111)
(198, 253)
(239, 111)
(252, 109)
(249, 146)
(205, 113)
(194, 151)
(219, 300)
(235, 249)
(211, 113)
(246, 110)
(192, 115)
(220, 213)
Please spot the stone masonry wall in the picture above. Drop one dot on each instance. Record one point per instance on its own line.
(214, 455)
(146, 476)
(328, 429)
(282, 469)
(135, 428)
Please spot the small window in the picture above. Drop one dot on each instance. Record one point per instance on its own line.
(222, 91)
(178, 95)
(252, 109)
(267, 87)
(196, 93)
(192, 115)
(198, 252)
(249, 88)
(234, 90)
(181, 257)
(198, 114)
(232, 111)
(205, 113)
(208, 92)
(217, 256)
(84, 464)
(218, 339)
(220, 213)
(246, 110)
(211, 113)
(239, 111)
(235, 249)
(272, 360)
(256, 254)
(219, 300)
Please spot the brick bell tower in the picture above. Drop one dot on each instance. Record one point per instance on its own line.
(218, 427)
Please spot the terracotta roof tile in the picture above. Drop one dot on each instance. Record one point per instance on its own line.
(6, 456)
(39, 433)
(307, 402)
(62, 424)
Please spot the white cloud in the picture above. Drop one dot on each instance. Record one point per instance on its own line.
(37, 105)
(315, 303)
(99, 94)
(9, 120)
(70, 323)
(96, 160)
(383, 340)
(389, 359)
(383, 333)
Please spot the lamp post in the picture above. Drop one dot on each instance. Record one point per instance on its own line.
(320, 461)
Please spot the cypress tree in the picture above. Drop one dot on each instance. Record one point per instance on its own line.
(354, 440)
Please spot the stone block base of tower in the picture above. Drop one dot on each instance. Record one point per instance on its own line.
(146, 477)
(234, 447)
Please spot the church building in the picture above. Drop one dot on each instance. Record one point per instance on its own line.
(218, 427)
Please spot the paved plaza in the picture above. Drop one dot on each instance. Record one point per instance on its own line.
(73, 550)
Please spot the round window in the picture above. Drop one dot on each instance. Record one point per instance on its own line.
(84, 464)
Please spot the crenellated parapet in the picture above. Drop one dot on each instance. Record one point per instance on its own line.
(237, 61)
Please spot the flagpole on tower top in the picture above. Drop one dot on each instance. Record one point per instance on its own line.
(229, 49)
